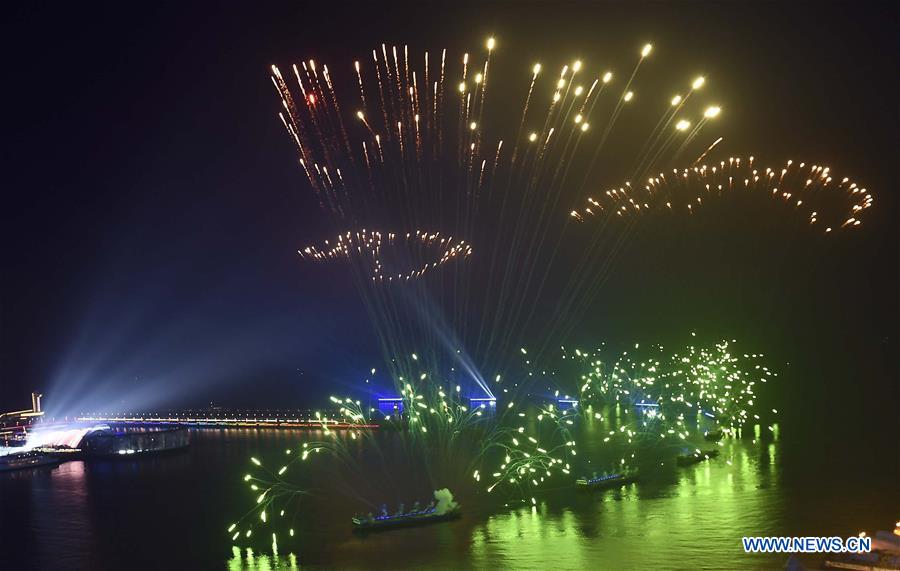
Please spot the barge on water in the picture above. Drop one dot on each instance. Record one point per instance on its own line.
(607, 481)
(411, 519)
(124, 443)
(26, 460)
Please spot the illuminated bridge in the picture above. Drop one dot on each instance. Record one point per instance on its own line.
(225, 419)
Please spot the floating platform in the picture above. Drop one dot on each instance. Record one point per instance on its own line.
(412, 519)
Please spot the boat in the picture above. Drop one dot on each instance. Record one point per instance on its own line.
(26, 460)
(713, 435)
(409, 519)
(607, 481)
(689, 458)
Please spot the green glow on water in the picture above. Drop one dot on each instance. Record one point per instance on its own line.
(698, 522)
(246, 559)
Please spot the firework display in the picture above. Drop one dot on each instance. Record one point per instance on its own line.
(415, 147)
(824, 201)
(498, 285)
(370, 248)
(412, 141)
(650, 404)
(667, 389)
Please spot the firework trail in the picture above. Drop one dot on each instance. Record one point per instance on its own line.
(714, 381)
(708, 150)
(823, 200)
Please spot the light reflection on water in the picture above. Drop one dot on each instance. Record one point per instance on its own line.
(68, 490)
(247, 559)
(695, 523)
(170, 512)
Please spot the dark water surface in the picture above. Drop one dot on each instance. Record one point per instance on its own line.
(171, 511)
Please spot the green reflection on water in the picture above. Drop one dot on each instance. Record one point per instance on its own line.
(248, 559)
(690, 518)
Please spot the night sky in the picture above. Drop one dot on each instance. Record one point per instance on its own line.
(152, 205)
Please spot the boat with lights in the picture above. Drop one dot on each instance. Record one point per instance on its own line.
(689, 458)
(409, 519)
(607, 481)
(26, 460)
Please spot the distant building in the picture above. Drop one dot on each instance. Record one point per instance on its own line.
(17, 416)
(390, 406)
(13, 424)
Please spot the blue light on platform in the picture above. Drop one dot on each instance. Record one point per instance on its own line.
(390, 405)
